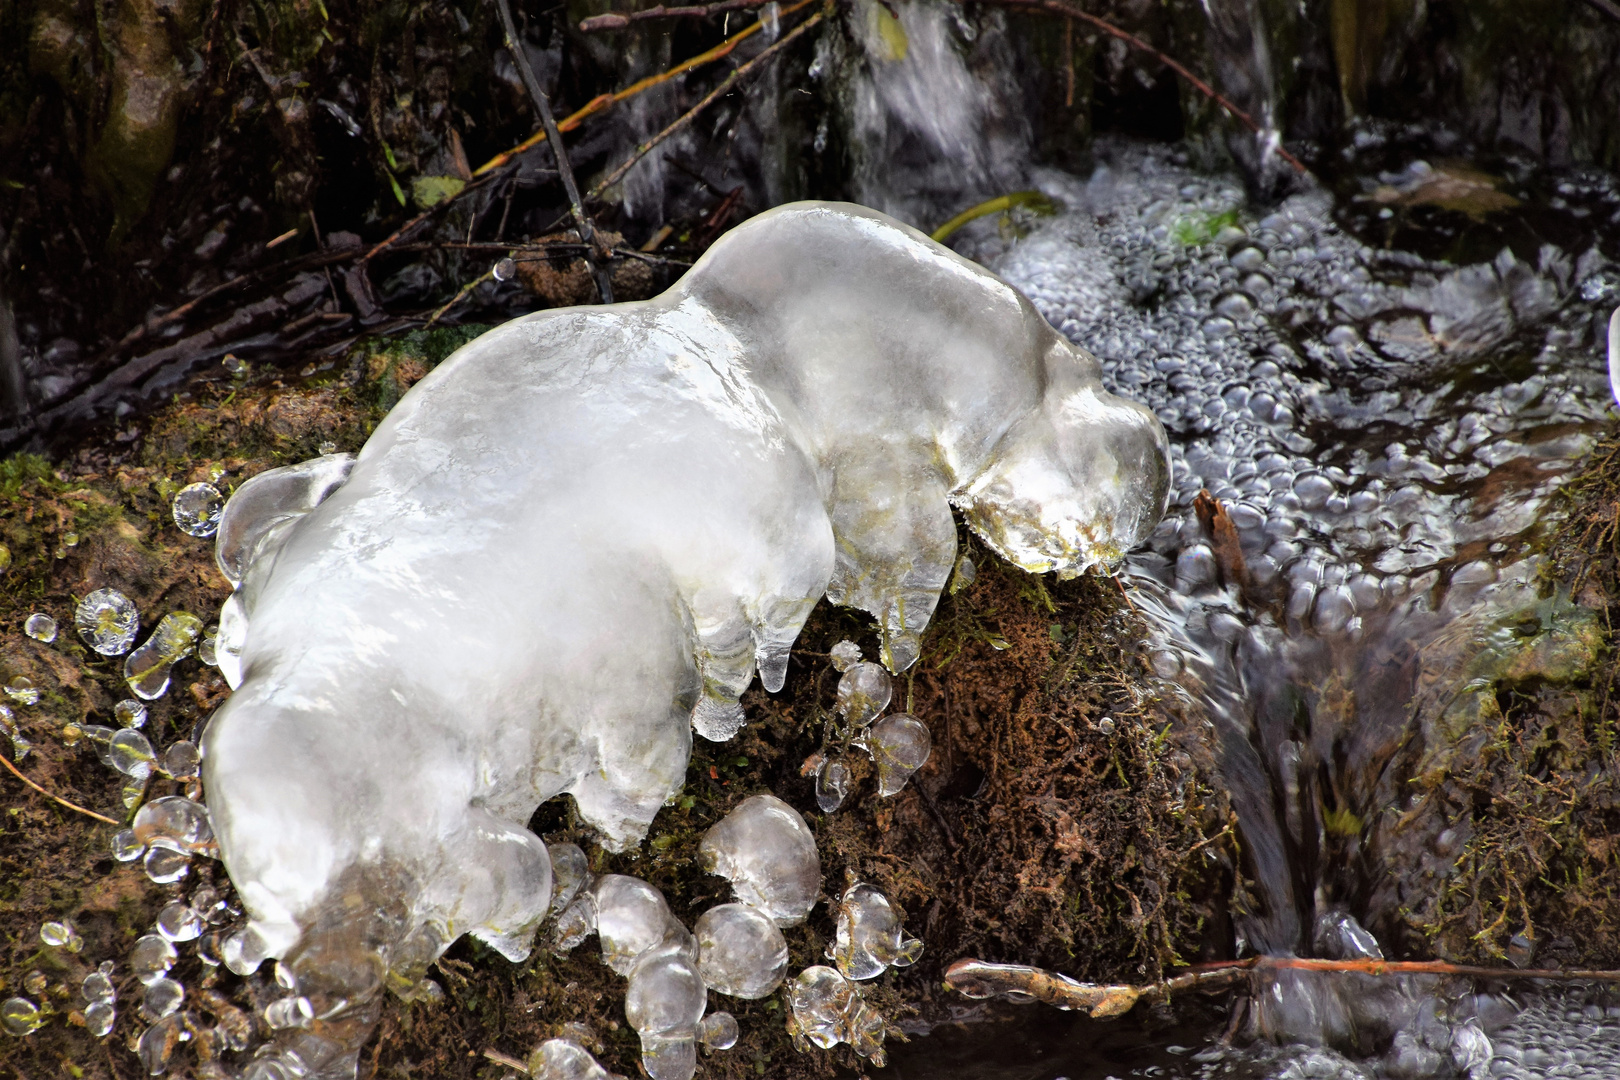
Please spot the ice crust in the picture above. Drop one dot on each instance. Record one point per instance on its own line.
(589, 527)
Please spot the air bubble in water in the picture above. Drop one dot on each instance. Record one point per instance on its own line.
(163, 996)
(107, 621)
(151, 958)
(845, 655)
(900, 745)
(864, 692)
(769, 855)
(61, 935)
(180, 922)
(833, 781)
(130, 713)
(741, 952)
(20, 1017)
(147, 668)
(22, 690)
(166, 866)
(718, 1031)
(197, 508)
(870, 938)
(40, 627)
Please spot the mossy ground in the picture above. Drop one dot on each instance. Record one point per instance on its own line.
(1035, 833)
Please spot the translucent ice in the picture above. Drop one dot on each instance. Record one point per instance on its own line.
(827, 1009)
(833, 781)
(663, 1003)
(631, 918)
(591, 527)
(768, 853)
(20, 1017)
(740, 951)
(870, 938)
(107, 621)
(40, 627)
(197, 509)
(61, 935)
(570, 872)
(900, 745)
(718, 1031)
(147, 668)
(845, 655)
(564, 1059)
(152, 958)
(863, 692)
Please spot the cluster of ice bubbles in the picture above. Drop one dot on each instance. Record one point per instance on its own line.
(898, 744)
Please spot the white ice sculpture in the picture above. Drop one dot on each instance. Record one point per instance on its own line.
(581, 534)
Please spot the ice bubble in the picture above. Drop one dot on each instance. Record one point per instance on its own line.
(125, 847)
(665, 995)
(180, 922)
(870, 938)
(98, 985)
(166, 866)
(22, 690)
(718, 1031)
(243, 951)
(570, 872)
(666, 1057)
(99, 1017)
(107, 621)
(845, 655)
(131, 753)
(833, 782)
(197, 509)
(900, 745)
(289, 1012)
(20, 1017)
(40, 627)
(147, 668)
(156, 1044)
(151, 958)
(767, 852)
(575, 923)
(864, 692)
(182, 761)
(564, 1059)
(827, 1009)
(207, 648)
(631, 917)
(61, 935)
(741, 952)
(8, 727)
(163, 996)
(130, 713)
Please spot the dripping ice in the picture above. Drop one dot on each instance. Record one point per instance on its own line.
(582, 536)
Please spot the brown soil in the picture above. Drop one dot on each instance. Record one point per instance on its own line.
(1055, 823)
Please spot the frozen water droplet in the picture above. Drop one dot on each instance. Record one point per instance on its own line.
(131, 753)
(327, 448)
(8, 727)
(133, 791)
(503, 270)
(130, 713)
(98, 986)
(741, 952)
(147, 668)
(234, 364)
(34, 982)
(157, 1043)
(631, 917)
(864, 692)
(40, 627)
(833, 781)
(99, 1017)
(289, 1012)
(179, 922)
(845, 655)
(820, 999)
(963, 575)
(107, 621)
(20, 1017)
(900, 745)
(667, 1058)
(125, 847)
(61, 935)
(570, 872)
(182, 760)
(769, 855)
(163, 996)
(197, 508)
(718, 1031)
(22, 690)
(244, 951)
(576, 923)
(206, 650)
(151, 958)
(564, 1059)
(665, 995)
(1106, 725)
(870, 938)
(165, 866)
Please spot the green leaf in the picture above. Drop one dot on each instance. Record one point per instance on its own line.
(433, 190)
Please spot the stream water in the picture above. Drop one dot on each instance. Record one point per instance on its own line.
(1382, 399)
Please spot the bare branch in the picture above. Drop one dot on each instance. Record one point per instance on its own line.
(616, 21)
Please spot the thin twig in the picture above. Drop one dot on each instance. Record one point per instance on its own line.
(54, 798)
(502, 1059)
(587, 230)
(459, 297)
(714, 95)
(698, 11)
(1068, 10)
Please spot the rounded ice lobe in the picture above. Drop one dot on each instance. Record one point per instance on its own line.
(718, 1031)
(833, 782)
(570, 872)
(769, 855)
(107, 621)
(864, 692)
(845, 655)
(131, 753)
(147, 668)
(175, 822)
(564, 1059)
(821, 998)
(151, 958)
(741, 952)
(870, 938)
(40, 627)
(197, 509)
(664, 1003)
(900, 745)
(631, 917)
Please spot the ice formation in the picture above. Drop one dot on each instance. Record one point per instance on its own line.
(580, 536)
(1614, 354)
(870, 938)
(900, 745)
(764, 848)
(741, 952)
(828, 1009)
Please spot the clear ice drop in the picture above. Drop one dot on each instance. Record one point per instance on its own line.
(20, 1017)
(870, 938)
(900, 745)
(769, 855)
(741, 952)
(845, 655)
(631, 917)
(197, 509)
(175, 822)
(40, 627)
(147, 668)
(863, 693)
(107, 621)
(718, 1031)
(564, 1059)
(151, 958)
(833, 783)
(130, 713)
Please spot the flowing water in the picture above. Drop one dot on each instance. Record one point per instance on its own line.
(1382, 402)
